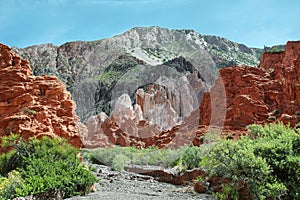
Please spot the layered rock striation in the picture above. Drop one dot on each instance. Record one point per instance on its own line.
(34, 105)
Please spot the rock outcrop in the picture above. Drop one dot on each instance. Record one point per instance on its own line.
(91, 70)
(154, 119)
(260, 95)
(239, 97)
(34, 105)
(126, 127)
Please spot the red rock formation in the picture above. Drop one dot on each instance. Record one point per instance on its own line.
(256, 95)
(155, 118)
(168, 101)
(34, 106)
(239, 97)
(126, 127)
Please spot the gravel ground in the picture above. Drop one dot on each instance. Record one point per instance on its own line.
(131, 186)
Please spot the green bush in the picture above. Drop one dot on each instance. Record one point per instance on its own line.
(267, 163)
(10, 185)
(9, 161)
(230, 191)
(279, 146)
(12, 158)
(47, 173)
(190, 157)
(119, 162)
(44, 165)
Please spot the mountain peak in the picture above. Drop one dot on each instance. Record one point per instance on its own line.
(84, 66)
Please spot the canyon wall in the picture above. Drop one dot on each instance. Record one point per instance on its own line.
(34, 105)
(269, 93)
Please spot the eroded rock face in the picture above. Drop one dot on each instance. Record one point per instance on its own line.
(154, 119)
(91, 69)
(257, 95)
(239, 97)
(34, 105)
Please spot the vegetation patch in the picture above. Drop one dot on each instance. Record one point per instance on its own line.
(275, 49)
(266, 164)
(161, 54)
(36, 166)
(118, 157)
(109, 76)
(263, 165)
(29, 111)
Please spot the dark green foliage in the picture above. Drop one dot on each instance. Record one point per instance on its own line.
(190, 157)
(297, 126)
(29, 111)
(44, 165)
(47, 173)
(12, 158)
(267, 162)
(9, 161)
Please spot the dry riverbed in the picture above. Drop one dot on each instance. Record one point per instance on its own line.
(131, 186)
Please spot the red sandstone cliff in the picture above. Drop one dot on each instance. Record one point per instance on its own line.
(256, 95)
(34, 105)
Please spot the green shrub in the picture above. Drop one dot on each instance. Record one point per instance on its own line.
(47, 173)
(45, 165)
(103, 156)
(10, 185)
(119, 162)
(236, 162)
(230, 191)
(267, 162)
(190, 157)
(280, 148)
(297, 112)
(9, 161)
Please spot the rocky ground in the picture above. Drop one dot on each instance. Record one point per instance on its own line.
(131, 186)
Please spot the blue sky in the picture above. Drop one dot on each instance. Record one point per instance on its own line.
(254, 22)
